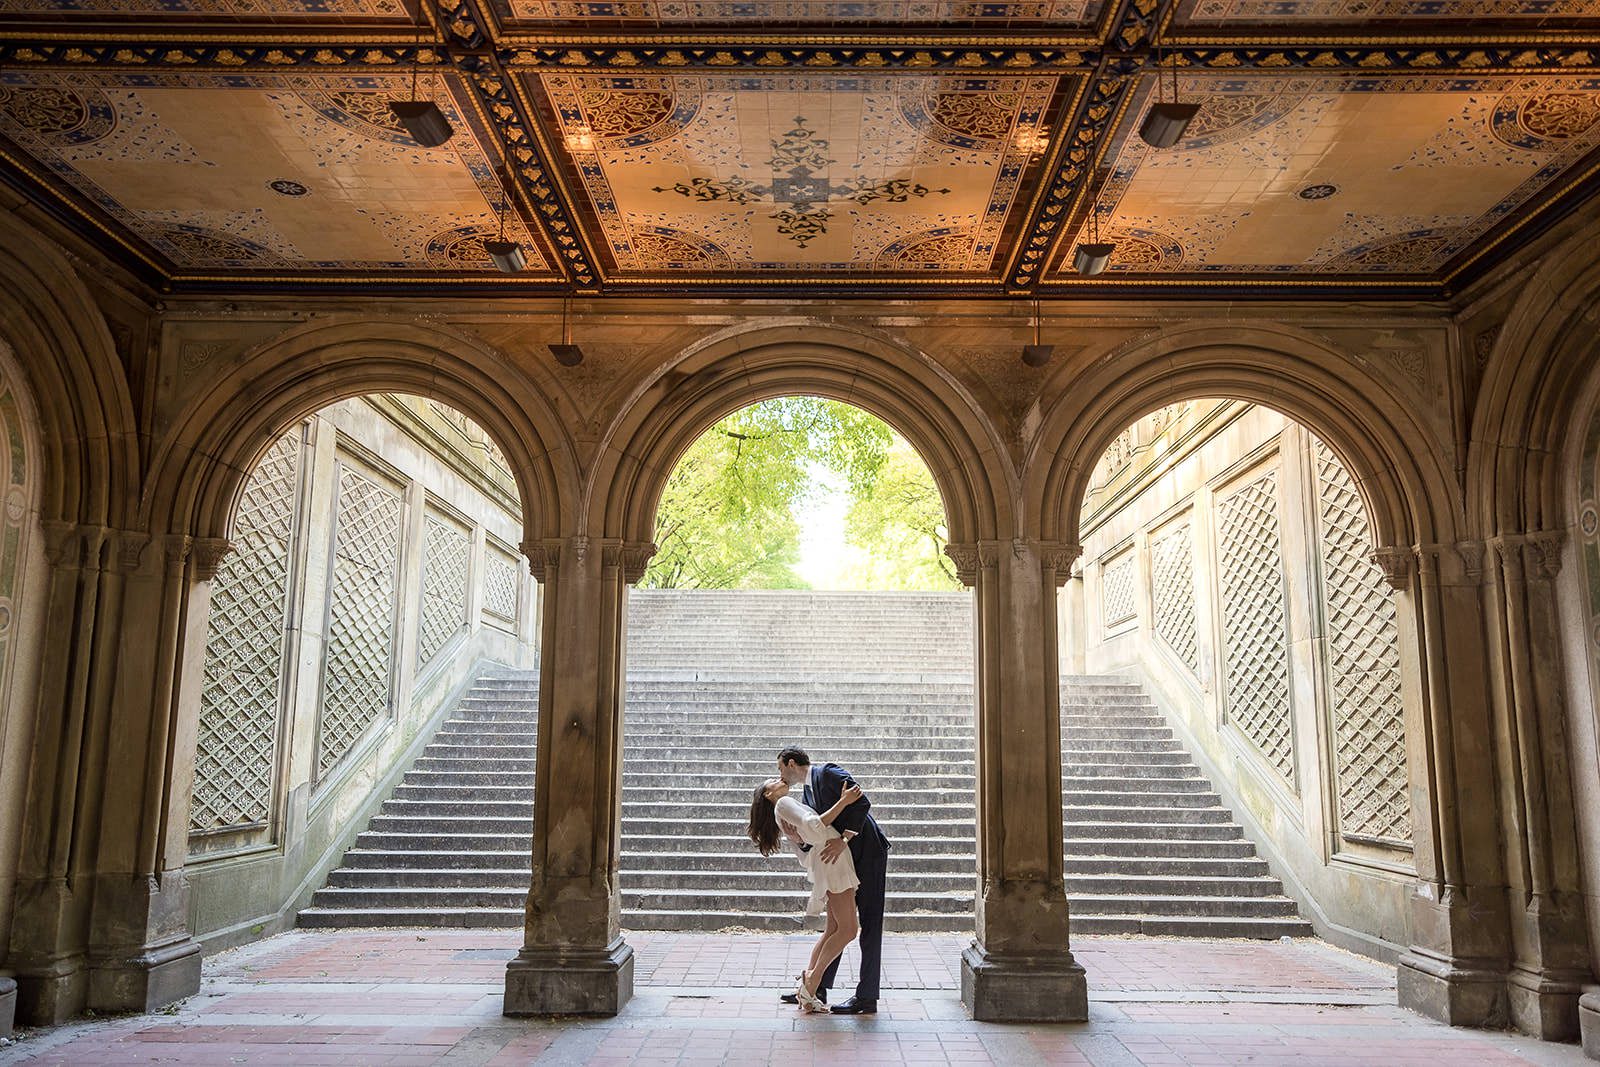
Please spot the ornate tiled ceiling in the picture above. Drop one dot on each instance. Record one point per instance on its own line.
(891, 146)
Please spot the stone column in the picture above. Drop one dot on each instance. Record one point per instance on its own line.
(1454, 969)
(573, 960)
(1550, 957)
(102, 910)
(1020, 966)
(141, 953)
(49, 938)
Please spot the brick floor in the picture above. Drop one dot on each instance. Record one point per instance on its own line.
(425, 997)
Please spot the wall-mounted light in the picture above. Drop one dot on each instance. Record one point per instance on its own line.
(1164, 123)
(422, 119)
(1037, 354)
(566, 353)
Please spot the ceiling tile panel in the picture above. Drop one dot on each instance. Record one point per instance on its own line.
(1335, 175)
(753, 14)
(256, 11)
(1344, 12)
(263, 172)
(800, 173)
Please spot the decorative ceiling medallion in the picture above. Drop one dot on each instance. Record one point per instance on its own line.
(287, 187)
(800, 172)
(1317, 192)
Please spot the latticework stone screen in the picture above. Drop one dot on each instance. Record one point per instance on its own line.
(240, 704)
(1255, 632)
(361, 613)
(1369, 741)
(1116, 589)
(1172, 593)
(446, 560)
(500, 583)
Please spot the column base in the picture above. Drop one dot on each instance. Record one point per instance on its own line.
(1442, 989)
(51, 993)
(1023, 989)
(8, 1006)
(1544, 1007)
(553, 982)
(152, 979)
(1589, 1024)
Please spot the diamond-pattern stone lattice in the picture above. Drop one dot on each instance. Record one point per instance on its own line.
(236, 749)
(1255, 628)
(1364, 665)
(1116, 590)
(499, 584)
(446, 552)
(1172, 593)
(361, 598)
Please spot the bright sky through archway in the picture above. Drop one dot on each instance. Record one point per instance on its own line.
(824, 555)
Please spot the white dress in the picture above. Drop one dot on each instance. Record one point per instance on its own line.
(835, 877)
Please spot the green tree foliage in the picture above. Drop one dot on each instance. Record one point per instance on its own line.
(728, 517)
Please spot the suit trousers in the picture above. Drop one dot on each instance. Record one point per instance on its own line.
(872, 867)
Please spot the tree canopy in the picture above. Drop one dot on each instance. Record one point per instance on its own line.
(731, 515)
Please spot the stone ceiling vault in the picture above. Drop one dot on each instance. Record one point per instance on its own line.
(894, 147)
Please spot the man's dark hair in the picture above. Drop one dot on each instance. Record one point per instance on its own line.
(794, 755)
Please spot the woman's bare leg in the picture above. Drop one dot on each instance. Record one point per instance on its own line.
(827, 931)
(841, 930)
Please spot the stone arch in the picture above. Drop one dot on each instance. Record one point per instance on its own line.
(1399, 465)
(89, 461)
(1538, 373)
(201, 465)
(741, 366)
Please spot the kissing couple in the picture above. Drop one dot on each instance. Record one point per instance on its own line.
(845, 855)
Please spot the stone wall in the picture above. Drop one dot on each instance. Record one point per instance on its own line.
(1226, 563)
(373, 570)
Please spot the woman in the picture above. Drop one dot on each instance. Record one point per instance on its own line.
(833, 885)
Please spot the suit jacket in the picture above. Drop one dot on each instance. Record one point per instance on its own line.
(822, 792)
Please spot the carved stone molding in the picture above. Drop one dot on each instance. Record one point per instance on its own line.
(62, 545)
(1397, 565)
(965, 557)
(208, 554)
(1471, 553)
(175, 548)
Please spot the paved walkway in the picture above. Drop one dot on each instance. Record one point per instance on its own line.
(427, 997)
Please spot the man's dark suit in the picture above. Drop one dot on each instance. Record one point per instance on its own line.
(870, 851)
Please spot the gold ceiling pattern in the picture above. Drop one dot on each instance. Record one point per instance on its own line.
(890, 146)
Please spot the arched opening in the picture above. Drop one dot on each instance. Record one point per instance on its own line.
(799, 596)
(1243, 706)
(374, 591)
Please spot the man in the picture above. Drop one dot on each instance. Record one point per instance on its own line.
(869, 848)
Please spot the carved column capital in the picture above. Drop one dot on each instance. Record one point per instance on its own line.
(965, 557)
(63, 547)
(1471, 553)
(208, 554)
(128, 555)
(1397, 565)
(543, 557)
(632, 556)
(1544, 552)
(1057, 558)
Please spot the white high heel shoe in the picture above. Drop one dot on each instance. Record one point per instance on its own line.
(808, 1002)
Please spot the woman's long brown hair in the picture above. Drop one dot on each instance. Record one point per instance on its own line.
(763, 828)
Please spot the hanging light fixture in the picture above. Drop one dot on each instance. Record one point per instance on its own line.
(507, 255)
(1036, 354)
(422, 119)
(1164, 123)
(1091, 258)
(566, 353)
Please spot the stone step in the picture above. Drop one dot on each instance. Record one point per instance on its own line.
(1112, 847)
(1241, 926)
(786, 919)
(776, 900)
(1164, 831)
(1180, 780)
(447, 791)
(1209, 906)
(900, 844)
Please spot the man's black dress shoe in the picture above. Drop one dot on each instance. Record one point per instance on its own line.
(790, 998)
(856, 1006)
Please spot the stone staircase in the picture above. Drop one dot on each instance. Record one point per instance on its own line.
(880, 683)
